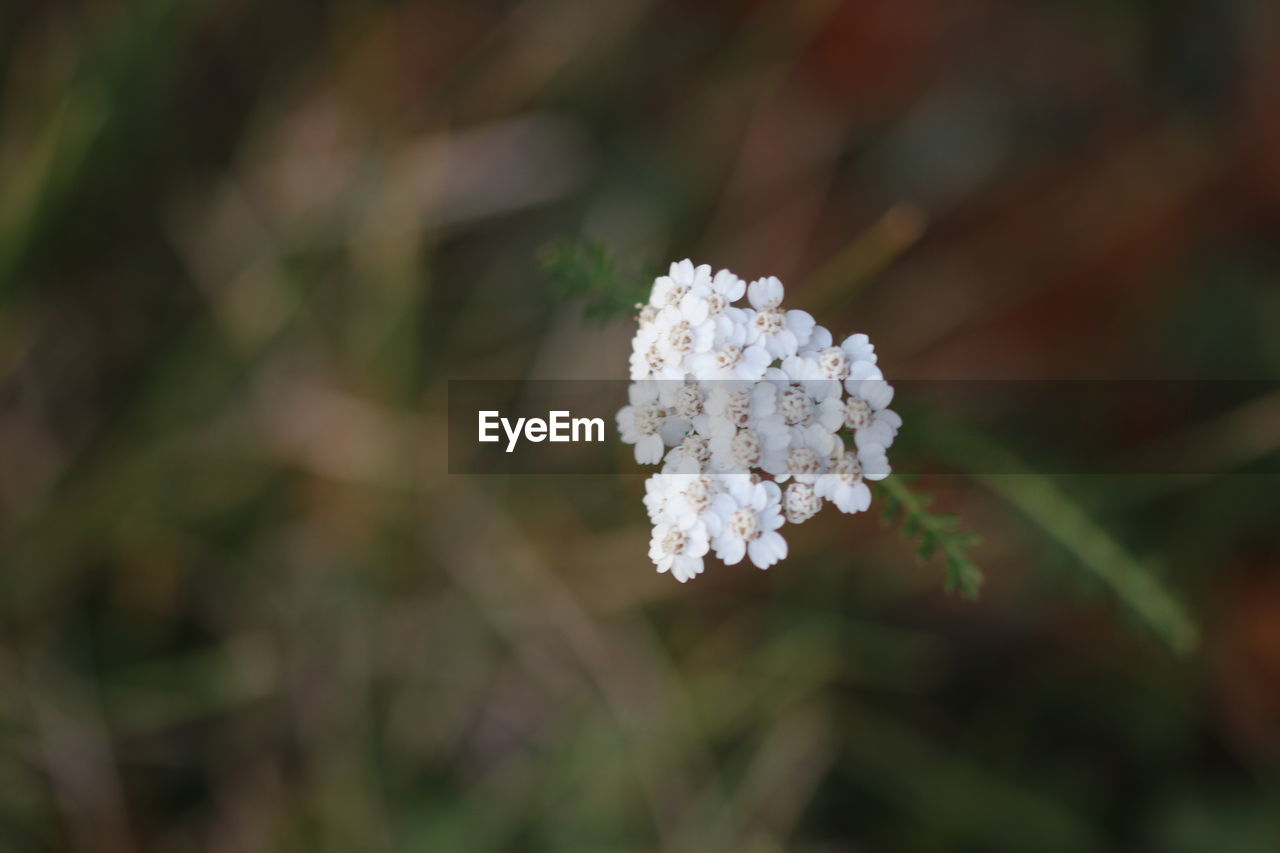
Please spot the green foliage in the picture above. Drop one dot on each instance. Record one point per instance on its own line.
(1060, 518)
(934, 532)
(1135, 584)
(586, 271)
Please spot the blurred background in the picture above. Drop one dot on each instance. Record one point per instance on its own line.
(244, 245)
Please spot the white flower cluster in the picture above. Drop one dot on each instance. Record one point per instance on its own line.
(745, 406)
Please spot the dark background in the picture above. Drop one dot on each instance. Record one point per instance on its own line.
(244, 245)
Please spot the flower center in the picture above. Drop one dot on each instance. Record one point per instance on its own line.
(796, 406)
(857, 413)
(654, 357)
(743, 523)
(802, 460)
(849, 470)
(769, 321)
(688, 403)
(834, 363)
(698, 448)
(674, 542)
(716, 305)
(801, 503)
(649, 419)
(728, 357)
(681, 337)
(746, 448)
(738, 409)
(699, 493)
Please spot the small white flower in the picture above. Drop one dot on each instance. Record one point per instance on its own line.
(750, 515)
(810, 451)
(691, 456)
(813, 401)
(732, 355)
(741, 403)
(684, 333)
(660, 348)
(694, 498)
(710, 299)
(683, 277)
(641, 422)
(845, 485)
(866, 411)
(679, 550)
(782, 333)
(728, 288)
(737, 450)
(685, 400)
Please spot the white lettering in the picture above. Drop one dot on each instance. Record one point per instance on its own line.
(513, 433)
(587, 424)
(559, 427)
(486, 425)
(559, 422)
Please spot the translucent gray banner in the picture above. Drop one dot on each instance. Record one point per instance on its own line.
(513, 427)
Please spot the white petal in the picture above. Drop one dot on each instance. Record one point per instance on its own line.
(729, 286)
(876, 392)
(820, 339)
(753, 363)
(830, 414)
(694, 308)
(723, 505)
(862, 497)
(878, 433)
(862, 370)
(858, 348)
(765, 293)
(776, 543)
(875, 465)
(714, 524)
(801, 324)
(845, 497)
(730, 550)
(649, 450)
(761, 554)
